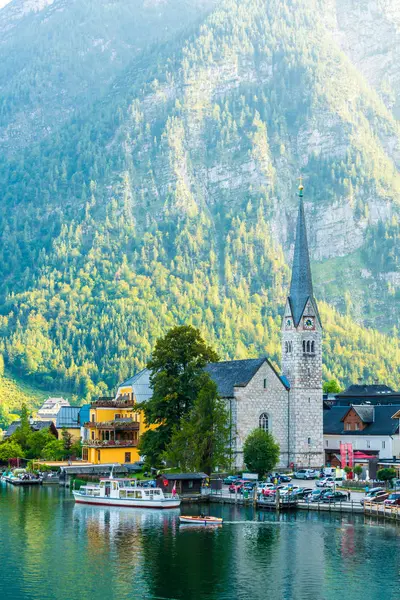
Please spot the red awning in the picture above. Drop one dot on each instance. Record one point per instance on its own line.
(362, 456)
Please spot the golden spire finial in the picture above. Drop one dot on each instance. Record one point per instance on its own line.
(301, 186)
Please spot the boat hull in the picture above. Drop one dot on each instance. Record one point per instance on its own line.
(127, 503)
(196, 521)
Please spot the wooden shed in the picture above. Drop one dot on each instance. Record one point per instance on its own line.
(188, 484)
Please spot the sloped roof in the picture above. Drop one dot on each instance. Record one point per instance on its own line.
(236, 373)
(366, 413)
(180, 476)
(84, 414)
(140, 385)
(35, 426)
(367, 390)
(383, 423)
(301, 287)
(68, 416)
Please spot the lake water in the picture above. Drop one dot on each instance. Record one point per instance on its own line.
(51, 549)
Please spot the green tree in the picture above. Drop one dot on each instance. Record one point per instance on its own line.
(176, 378)
(200, 441)
(54, 450)
(331, 387)
(10, 449)
(23, 431)
(260, 452)
(36, 441)
(357, 470)
(386, 475)
(67, 441)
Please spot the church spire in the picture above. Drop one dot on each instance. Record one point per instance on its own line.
(301, 288)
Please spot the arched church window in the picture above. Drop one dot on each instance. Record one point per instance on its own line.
(286, 347)
(308, 346)
(312, 347)
(263, 422)
(304, 346)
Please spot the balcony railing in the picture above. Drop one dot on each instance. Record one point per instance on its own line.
(107, 402)
(110, 443)
(118, 425)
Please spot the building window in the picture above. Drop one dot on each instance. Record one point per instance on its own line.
(356, 426)
(312, 347)
(84, 454)
(309, 441)
(326, 443)
(368, 444)
(348, 426)
(304, 346)
(92, 435)
(263, 422)
(117, 416)
(383, 445)
(190, 484)
(127, 457)
(93, 417)
(98, 455)
(265, 384)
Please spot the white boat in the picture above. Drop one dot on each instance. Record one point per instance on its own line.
(200, 520)
(125, 492)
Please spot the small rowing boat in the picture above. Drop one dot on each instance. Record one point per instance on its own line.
(200, 520)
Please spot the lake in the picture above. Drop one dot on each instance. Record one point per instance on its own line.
(53, 550)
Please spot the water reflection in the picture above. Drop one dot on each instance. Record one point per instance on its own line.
(53, 550)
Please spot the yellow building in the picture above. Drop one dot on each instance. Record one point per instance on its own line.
(113, 432)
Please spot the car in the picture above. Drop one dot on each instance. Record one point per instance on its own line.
(380, 497)
(230, 479)
(237, 486)
(316, 495)
(393, 500)
(301, 492)
(265, 486)
(288, 489)
(334, 497)
(149, 484)
(284, 478)
(304, 474)
(325, 481)
(371, 494)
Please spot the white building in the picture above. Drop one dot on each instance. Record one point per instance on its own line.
(50, 409)
(373, 431)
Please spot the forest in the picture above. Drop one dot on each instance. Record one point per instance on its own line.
(166, 193)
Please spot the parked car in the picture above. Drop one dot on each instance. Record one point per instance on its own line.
(326, 482)
(393, 500)
(316, 495)
(230, 479)
(371, 494)
(380, 497)
(334, 497)
(237, 486)
(288, 489)
(305, 474)
(284, 478)
(301, 492)
(265, 486)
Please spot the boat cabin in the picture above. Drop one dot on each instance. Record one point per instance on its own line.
(120, 488)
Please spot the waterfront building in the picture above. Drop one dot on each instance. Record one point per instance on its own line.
(68, 419)
(113, 431)
(373, 431)
(50, 409)
(289, 406)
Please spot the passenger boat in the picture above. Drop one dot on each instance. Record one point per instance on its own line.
(200, 520)
(125, 492)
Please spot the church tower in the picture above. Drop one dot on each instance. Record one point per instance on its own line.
(302, 357)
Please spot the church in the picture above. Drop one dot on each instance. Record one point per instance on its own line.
(287, 405)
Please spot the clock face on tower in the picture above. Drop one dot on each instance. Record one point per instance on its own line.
(308, 323)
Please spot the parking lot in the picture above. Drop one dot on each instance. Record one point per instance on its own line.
(311, 483)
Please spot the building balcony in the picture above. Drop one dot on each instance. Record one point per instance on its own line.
(117, 425)
(125, 401)
(110, 443)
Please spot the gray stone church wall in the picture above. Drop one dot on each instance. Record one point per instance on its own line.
(255, 399)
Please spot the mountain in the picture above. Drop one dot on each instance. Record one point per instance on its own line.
(150, 151)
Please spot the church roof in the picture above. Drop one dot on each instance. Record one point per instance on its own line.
(301, 288)
(236, 373)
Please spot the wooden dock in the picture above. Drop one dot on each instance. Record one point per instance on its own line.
(382, 511)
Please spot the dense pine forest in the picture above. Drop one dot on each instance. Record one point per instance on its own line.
(148, 172)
